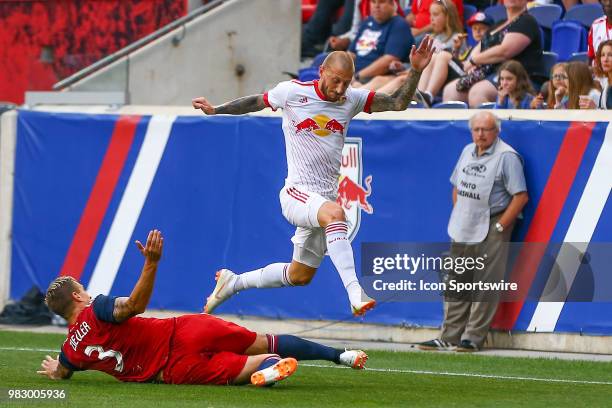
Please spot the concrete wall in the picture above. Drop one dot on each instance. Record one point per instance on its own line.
(240, 32)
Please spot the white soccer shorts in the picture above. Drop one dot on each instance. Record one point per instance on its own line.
(300, 208)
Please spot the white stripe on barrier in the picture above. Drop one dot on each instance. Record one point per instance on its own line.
(579, 233)
(398, 371)
(131, 204)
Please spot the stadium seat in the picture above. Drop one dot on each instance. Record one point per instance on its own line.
(568, 37)
(308, 74)
(450, 105)
(584, 13)
(549, 59)
(496, 12)
(579, 56)
(487, 105)
(468, 11)
(546, 14)
(544, 39)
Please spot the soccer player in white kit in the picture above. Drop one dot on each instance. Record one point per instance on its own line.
(316, 116)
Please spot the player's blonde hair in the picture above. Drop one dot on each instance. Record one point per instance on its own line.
(59, 295)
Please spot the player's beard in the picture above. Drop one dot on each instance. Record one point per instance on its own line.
(339, 99)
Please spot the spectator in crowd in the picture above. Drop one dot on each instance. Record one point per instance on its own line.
(341, 42)
(553, 89)
(601, 29)
(582, 86)
(419, 17)
(446, 32)
(486, 203)
(319, 27)
(603, 70)
(515, 90)
(480, 23)
(447, 65)
(516, 38)
(361, 11)
(382, 38)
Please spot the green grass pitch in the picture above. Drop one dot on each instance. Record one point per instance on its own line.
(316, 386)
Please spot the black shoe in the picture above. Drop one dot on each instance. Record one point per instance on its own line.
(467, 346)
(436, 345)
(424, 98)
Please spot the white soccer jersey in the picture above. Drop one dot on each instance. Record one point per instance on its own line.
(601, 30)
(314, 131)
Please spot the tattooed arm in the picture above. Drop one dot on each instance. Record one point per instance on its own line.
(238, 106)
(400, 99)
(419, 58)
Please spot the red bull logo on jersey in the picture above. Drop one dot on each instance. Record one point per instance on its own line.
(320, 125)
(352, 196)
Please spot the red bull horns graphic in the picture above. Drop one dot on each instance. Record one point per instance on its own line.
(320, 125)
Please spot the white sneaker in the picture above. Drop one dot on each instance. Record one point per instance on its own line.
(224, 289)
(361, 308)
(354, 358)
(279, 371)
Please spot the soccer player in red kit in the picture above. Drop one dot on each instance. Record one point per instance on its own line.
(105, 334)
(316, 116)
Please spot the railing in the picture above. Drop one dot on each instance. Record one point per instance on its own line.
(106, 61)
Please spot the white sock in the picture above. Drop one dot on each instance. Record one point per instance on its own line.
(341, 254)
(274, 275)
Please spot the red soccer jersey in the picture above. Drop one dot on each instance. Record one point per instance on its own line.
(134, 350)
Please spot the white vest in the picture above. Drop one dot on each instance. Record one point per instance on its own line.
(469, 221)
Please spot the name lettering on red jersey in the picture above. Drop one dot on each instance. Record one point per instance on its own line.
(79, 335)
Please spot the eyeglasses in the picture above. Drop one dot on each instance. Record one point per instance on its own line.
(484, 130)
(560, 77)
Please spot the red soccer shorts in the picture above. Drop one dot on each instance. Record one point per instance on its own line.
(206, 350)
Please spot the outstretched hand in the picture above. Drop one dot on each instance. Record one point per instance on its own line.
(152, 251)
(201, 103)
(49, 368)
(420, 57)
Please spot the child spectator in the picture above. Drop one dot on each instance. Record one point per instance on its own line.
(514, 90)
(582, 86)
(446, 30)
(555, 87)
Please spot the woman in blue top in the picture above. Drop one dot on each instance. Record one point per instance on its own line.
(514, 89)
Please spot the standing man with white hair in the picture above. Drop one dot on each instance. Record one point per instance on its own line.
(489, 192)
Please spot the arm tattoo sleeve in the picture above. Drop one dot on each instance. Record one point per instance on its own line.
(243, 105)
(400, 98)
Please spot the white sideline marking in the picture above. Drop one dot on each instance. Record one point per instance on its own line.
(28, 349)
(496, 377)
(393, 370)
